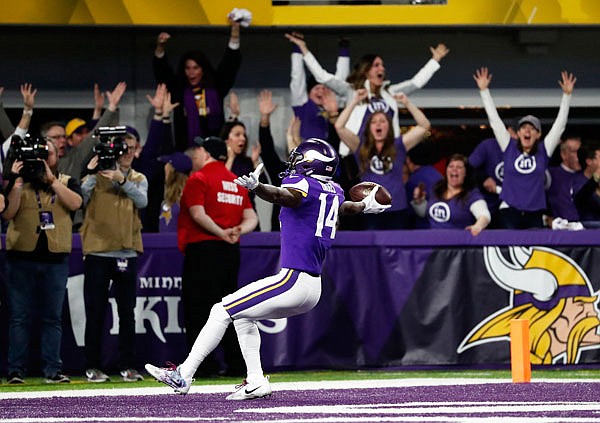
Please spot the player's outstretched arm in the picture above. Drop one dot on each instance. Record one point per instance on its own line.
(351, 207)
(276, 195)
(283, 196)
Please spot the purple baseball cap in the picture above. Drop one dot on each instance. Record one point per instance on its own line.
(131, 130)
(180, 162)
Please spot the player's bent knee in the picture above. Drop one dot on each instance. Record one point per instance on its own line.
(218, 312)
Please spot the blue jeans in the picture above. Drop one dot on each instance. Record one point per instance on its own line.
(33, 288)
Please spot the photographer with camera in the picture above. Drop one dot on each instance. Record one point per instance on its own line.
(76, 157)
(111, 237)
(38, 244)
(28, 94)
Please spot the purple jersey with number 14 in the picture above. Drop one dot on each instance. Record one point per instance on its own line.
(307, 231)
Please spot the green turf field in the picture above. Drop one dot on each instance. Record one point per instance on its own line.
(37, 384)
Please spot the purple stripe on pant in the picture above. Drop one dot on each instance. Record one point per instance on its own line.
(263, 293)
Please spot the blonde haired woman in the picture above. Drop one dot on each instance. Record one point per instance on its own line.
(177, 168)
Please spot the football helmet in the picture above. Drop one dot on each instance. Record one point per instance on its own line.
(314, 158)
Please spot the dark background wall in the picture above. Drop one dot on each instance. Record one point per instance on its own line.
(72, 58)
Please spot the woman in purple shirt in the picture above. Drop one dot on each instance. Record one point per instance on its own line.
(455, 202)
(380, 156)
(523, 197)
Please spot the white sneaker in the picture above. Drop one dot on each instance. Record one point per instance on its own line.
(170, 376)
(131, 375)
(96, 376)
(248, 391)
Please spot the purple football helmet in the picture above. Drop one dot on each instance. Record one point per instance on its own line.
(314, 158)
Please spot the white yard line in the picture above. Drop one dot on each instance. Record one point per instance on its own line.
(277, 386)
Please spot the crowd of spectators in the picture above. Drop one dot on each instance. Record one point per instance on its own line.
(506, 182)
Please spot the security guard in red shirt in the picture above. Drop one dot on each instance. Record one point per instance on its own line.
(214, 212)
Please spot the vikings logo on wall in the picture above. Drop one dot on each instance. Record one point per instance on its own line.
(551, 291)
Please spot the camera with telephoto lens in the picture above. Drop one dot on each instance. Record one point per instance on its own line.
(112, 145)
(31, 151)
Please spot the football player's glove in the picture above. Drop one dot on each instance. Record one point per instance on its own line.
(371, 204)
(250, 181)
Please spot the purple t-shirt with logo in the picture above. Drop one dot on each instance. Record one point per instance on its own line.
(452, 213)
(427, 175)
(314, 123)
(489, 159)
(562, 190)
(307, 231)
(390, 179)
(523, 187)
(488, 156)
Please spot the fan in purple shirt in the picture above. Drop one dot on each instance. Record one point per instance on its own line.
(526, 157)
(488, 160)
(314, 104)
(565, 180)
(423, 175)
(380, 156)
(587, 198)
(455, 202)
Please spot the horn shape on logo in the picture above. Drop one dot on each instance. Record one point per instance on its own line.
(520, 255)
(539, 282)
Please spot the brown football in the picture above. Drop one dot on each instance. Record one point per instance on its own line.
(361, 190)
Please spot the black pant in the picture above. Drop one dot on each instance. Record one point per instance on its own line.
(511, 218)
(98, 272)
(210, 271)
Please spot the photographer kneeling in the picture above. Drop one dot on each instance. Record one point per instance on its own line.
(111, 240)
(38, 243)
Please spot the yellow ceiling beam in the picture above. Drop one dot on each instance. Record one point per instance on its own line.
(581, 11)
(214, 12)
(456, 12)
(166, 12)
(81, 14)
(108, 12)
(37, 11)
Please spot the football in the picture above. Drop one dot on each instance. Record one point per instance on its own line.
(361, 190)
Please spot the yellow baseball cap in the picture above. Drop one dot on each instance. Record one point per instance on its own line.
(73, 125)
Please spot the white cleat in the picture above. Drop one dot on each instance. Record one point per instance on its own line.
(170, 376)
(249, 391)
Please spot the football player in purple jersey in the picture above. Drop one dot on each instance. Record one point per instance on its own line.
(310, 204)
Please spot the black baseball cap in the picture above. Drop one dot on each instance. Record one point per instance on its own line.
(214, 145)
